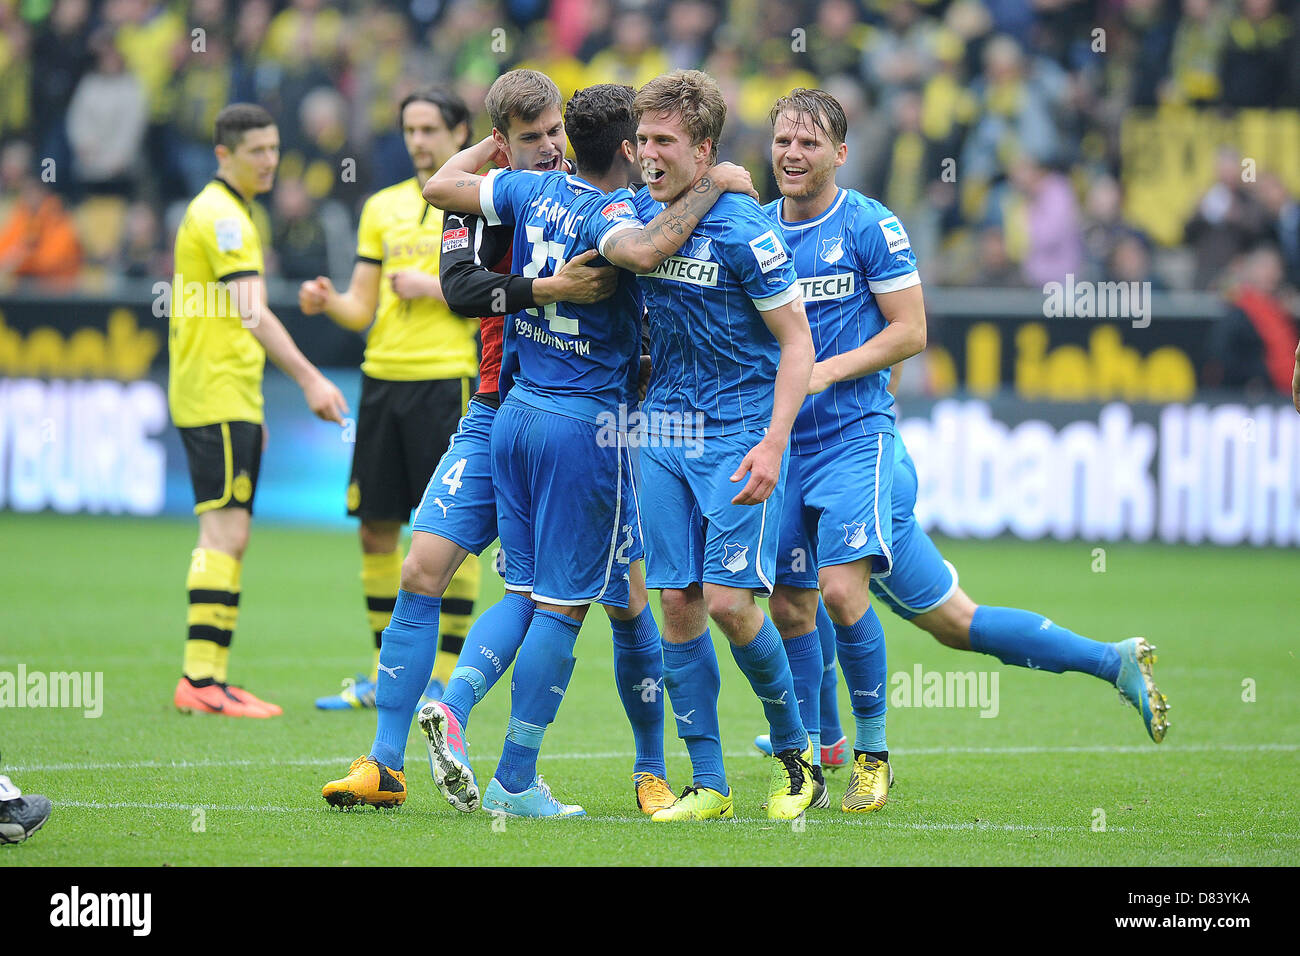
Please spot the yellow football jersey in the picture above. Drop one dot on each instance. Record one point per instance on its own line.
(412, 340)
(216, 363)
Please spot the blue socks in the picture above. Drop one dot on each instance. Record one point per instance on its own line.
(764, 663)
(693, 682)
(489, 648)
(861, 647)
(805, 656)
(1026, 639)
(830, 704)
(542, 672)
(639, 674)
(410, 646)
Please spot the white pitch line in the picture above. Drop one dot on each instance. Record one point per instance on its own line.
(628, 755)
(971, 827)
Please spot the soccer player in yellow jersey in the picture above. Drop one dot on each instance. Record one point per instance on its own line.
(221, 331)
(416, 377)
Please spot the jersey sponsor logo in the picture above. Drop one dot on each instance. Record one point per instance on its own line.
(832, 250)
(690, 271)
(617, 210)
(822, 288)
(229, 235)
(455, 239)
(895, 235)
(855, 534)
(700, 246)
(767, 251)
(735, 557)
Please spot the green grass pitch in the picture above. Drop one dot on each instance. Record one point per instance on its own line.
(145, 785)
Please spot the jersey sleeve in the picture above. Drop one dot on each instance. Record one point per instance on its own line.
(469, 251)
(885, 253)
(232, 247)
(503, 191)
(615, 213)
(370, 239)
(758, 256)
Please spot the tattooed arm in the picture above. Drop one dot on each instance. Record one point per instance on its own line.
(644, 249)
(455, 187)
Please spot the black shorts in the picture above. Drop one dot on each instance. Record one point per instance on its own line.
(403, 428)
(224, 460)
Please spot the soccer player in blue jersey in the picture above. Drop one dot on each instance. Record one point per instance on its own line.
(863, 298)
(565, 496)
(923, 589)
(731, 355)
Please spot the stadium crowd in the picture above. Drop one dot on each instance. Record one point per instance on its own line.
(994, 128)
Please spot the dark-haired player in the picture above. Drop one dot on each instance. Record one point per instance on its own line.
(221, 331)
(420, 360)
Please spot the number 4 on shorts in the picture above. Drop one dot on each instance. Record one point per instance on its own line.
(451, 477)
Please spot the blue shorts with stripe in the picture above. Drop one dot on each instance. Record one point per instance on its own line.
(837, 509)
(693, 533)
(566, 507)
(922, 580)
(459, 503)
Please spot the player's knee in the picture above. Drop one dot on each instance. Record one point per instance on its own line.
(845, 601)
(379, 538)
(730, 608)
(792, 613)
(419, 578)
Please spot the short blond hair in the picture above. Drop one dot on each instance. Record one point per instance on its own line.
(520, 94)
(690, 95)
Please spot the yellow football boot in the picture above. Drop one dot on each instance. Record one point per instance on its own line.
(793, 786)
(868, 786)
(697, 803)
(652, 793)
(368, 781)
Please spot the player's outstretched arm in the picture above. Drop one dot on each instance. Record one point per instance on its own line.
(789, 323)
(455, 187)
(353, 309)
(645, 249)
(901, 338)
(323, 396)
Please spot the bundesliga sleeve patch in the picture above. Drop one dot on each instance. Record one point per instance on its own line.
(618, 210)
(768, 251)
(455, 239)
(229, 236)
(895, 235)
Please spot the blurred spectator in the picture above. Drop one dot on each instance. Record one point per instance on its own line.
(1198, 45)
(996, 268)
(632, 58)
(1253, 346)
(690, 25)
(38, 239)
(297, 234)
(322, 156)
(61, 50)
(1130, 261)
(15, 72)
(202, 89)
(141, 254)
(1228, 219)
(900, 53)
(1256, 63)
(1046, 211)
(106, 122)
(1285, 212)
(1017, 115)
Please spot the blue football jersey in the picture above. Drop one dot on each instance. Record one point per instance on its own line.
(852, 252)
(574, 360)
(714, 358)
